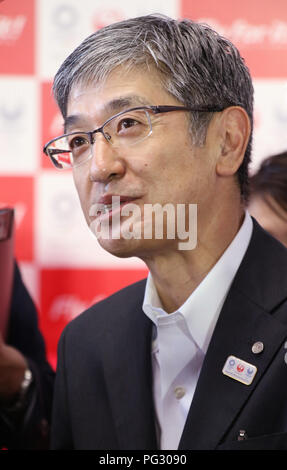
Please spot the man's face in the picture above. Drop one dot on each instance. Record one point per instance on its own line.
(164, 168)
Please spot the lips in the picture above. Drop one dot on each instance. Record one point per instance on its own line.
(109, 203)
(109, 199)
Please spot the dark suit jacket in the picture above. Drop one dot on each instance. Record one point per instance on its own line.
(28, 429)
(103, 395)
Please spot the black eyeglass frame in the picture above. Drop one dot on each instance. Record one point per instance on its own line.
(154, 109)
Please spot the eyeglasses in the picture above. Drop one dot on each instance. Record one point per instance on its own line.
(124, 129)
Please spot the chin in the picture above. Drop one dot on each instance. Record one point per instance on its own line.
(121, 248)
(140, 248)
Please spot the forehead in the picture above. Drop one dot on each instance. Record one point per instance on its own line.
(120, 90)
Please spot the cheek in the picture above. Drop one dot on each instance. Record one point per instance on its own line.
(82, 190)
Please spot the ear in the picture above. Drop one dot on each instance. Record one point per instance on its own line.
(235, 130)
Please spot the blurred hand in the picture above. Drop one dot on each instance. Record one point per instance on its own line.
(12, 368)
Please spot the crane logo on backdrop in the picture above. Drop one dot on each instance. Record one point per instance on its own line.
(11, 28)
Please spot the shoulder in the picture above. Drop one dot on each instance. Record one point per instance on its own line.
(117, 308)
(268, 251)
(262, 275)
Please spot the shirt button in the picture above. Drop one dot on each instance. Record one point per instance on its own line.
(179, 392)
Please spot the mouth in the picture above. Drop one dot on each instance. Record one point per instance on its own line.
(110, 205)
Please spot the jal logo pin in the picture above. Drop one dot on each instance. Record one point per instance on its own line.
(239, 370)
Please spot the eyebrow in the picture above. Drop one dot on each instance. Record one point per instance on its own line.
(112, 107)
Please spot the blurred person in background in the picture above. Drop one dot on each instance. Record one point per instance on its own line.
(268, 196)
(26, 378)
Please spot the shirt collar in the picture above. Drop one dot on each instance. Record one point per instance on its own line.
(202, 308)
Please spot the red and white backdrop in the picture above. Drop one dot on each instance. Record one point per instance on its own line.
(62, 265)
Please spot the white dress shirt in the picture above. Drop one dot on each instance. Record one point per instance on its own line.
(181, 338)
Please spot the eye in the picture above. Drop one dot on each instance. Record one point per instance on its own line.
(127, 123)
(77, 141)
(127, 127)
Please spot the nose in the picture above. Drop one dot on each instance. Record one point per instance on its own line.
(105, 163)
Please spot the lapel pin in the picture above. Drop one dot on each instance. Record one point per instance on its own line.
(257, 347)
(239, 370)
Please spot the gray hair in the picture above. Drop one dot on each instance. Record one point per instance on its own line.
(196, 65)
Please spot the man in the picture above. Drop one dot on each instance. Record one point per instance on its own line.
(159, 111)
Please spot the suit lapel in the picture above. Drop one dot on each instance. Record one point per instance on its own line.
(243, 321)
(218, 399)
(127, 369)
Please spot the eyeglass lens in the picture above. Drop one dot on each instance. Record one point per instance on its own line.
(121, 131)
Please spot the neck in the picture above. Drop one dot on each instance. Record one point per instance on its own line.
(177, 273)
